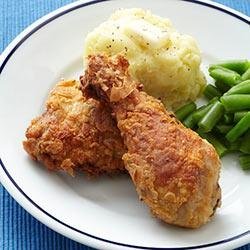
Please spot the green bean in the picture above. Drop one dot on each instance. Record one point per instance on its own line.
(218, 145)
(200, 112)
(211, 91)
(244, 89)
(243, 83)
(234, 146)
(239, 66)
(221, 86)
(238, 115)
(241, 88)
(239, 129)
(246, 75)
(227, 76)
(192, 119)
(236, 102)
(228, 118)
(245, 161)
(189, 122)
(245, 144)
(223, 128)
(215, 99)
(212, 117)
(185, 110)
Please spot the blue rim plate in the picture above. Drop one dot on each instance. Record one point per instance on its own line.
(29, 203)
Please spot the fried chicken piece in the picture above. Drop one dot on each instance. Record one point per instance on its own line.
(174, 170)
(75, 134)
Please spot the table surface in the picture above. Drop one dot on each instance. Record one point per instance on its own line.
(18, 229)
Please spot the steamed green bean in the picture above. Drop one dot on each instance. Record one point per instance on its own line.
(221, 86)
(236, 102)
(223, 128)
(211, 91)
(227, 76)
(245, 161)
(238, 115)
(246, 75)
(227, 118)
(185, 110)
(245, 143)
(241, 88)
(239, 129)
(212, 117)
(240, 66)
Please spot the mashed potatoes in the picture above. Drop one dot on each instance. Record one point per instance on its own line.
(165, 61)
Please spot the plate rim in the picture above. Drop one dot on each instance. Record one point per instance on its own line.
(38, 212)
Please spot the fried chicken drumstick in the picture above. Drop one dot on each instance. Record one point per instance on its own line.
(174, 170)
(75, 134)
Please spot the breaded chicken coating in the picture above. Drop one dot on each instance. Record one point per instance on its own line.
(75, 134)
(174, 170)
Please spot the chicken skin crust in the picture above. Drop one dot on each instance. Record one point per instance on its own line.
(174, 170)
(75, 134)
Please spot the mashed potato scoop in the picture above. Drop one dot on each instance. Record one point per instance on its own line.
(165, 61)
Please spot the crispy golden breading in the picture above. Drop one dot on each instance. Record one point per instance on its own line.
(174, 170)
(75, 134)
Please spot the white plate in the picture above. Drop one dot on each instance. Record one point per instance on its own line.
(105, 213)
